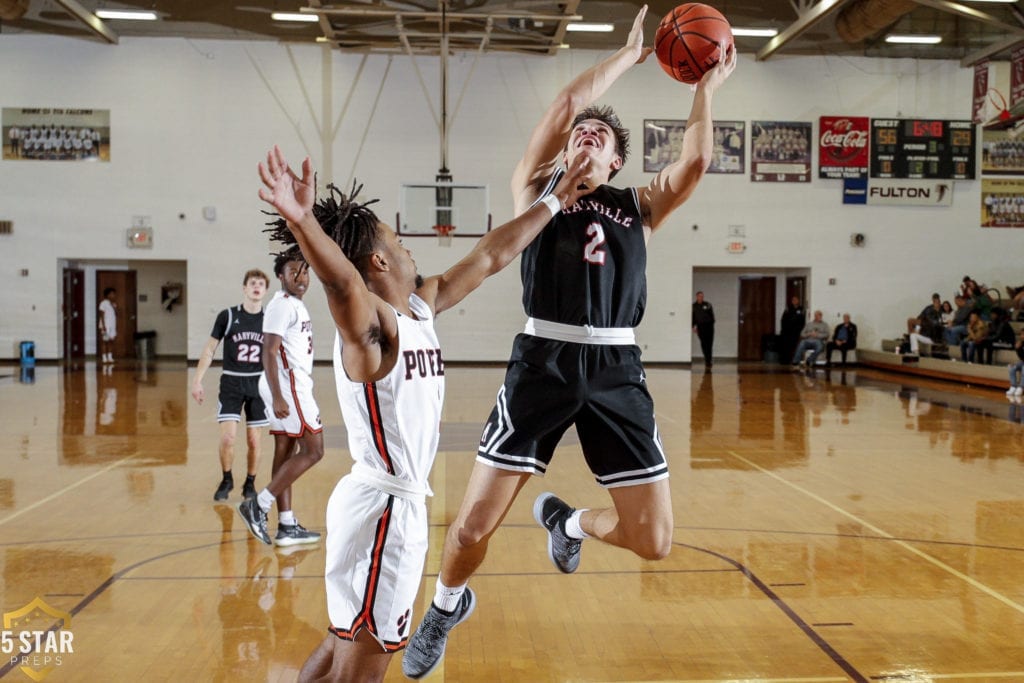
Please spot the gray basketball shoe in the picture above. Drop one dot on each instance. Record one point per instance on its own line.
(551, 512)
(426, 647)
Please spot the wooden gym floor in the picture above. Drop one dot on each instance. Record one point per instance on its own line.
(841, 527)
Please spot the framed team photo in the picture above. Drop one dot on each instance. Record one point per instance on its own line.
(663, 144)
(780, 151)
(1002, 203)
(48, 134)
(1001, 154)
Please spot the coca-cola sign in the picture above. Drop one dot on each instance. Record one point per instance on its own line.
(843, 147)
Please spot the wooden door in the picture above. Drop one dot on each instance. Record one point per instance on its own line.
(73, 312)
(756, 315)
(123, 282)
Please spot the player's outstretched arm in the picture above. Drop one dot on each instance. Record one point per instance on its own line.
(552, 132)
(500, 246)
(674, 184)
(354, 308)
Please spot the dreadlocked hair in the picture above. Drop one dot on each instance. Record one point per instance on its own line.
(351, 225)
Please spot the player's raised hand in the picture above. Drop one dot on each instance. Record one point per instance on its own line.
(636, 36)
(715, 76)
(291, 195)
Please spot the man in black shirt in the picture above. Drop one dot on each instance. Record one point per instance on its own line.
(703, 321)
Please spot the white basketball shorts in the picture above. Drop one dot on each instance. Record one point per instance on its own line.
(303, 412)
(376, 548)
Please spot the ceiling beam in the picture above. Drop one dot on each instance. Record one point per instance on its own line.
(971, 13)
(427, 14)
(987, 52)
(820, 11)
(90, 20)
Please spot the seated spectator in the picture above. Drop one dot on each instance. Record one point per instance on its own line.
(1017, 369)
(929, 321)
(947, 314)
(977, 330)
(1016, 301)
(1000, 336)
(812, 338)
(957, 329)
(979, 298)
(844, 339)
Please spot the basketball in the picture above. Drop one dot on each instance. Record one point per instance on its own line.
(687, 41)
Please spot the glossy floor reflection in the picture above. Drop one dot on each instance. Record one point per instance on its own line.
(829, 527)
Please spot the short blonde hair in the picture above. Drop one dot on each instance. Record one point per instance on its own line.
(257, 273)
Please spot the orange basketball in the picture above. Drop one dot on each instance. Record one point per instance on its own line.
(687, 41)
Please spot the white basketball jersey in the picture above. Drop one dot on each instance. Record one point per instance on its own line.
(287, 317)
(393, 424)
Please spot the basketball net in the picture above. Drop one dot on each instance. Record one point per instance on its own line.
(998, 101)
(444, 235)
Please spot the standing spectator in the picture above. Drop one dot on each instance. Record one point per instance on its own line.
(703, 321)
(793, 320)
(108, 324)
(977, 330)
(844, 339)
(1017, 369)
(812, 338)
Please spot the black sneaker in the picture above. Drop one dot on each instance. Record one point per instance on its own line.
(248, 490)
(255, 519)
(222, 491)
(294, 534)
(551, 512)
(426, 647)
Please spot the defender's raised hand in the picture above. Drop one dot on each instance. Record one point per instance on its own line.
(636, 36)
(574, 184)
(293, 197)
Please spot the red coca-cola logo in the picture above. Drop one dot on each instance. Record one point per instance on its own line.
(842, 141)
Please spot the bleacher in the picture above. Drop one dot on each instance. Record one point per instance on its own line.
(940, 362)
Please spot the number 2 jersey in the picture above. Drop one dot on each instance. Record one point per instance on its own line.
(588, 266)
(242, 333)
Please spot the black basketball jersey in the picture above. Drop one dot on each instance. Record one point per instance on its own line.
(589, 264)
(242, 333)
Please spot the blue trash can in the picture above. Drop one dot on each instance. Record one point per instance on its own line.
(28, 354)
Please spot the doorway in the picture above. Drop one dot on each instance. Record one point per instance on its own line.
(123, 282)
(756, 316)
(73, 313)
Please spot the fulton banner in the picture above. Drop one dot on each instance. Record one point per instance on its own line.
(918, 192)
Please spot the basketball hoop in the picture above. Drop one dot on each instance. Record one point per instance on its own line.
(998, 100)
(444, 234)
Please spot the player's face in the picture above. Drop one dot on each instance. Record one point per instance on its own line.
(595, 139)
(295, 278)
(405, 264)
(255, 289)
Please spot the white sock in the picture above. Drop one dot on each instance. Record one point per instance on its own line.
(265, 499)
(286, 517)
(572, 525)
(447, 599)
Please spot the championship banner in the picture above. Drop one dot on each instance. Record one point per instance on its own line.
(1016, 75)
(843, 147)
(980, 92)
(780, 151)
(1002, 203)
(900, 192)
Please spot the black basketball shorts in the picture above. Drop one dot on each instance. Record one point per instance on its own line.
(238, 392)
(551, 385)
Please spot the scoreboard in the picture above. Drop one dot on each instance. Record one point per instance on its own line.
(922, 148)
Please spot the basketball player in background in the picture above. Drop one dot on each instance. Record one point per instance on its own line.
(286, 387)
(390, 380)
(241, 328)
(107, 321)
(584, 291)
